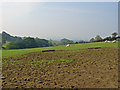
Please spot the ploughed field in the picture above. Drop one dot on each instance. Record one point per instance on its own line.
(81, 68)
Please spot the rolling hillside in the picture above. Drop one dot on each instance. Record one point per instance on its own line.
(17, 52)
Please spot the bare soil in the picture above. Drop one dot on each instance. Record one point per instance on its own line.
(90, 68)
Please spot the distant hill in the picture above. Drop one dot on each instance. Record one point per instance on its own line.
(9, 38)
(15, 42)
(63, 41)
(54, 42)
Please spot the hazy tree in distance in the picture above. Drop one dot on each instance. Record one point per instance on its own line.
(92, 40)
(114, 34)
(98, 38)
(107, 38)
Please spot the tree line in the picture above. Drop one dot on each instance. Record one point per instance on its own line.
(7, 37)
(15, 42)
(28, 42)
(109, 38)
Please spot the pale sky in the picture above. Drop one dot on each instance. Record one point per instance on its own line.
(57, 20)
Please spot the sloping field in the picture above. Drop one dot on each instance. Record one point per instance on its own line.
(17, 52)
(78, 67)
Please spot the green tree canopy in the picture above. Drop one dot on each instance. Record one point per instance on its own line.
(29, 42)
(42, 42)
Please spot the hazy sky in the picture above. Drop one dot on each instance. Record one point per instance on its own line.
(57, 20)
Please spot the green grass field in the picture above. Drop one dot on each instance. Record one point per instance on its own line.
(17, 52)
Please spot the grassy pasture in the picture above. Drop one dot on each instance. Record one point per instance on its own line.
(17, 52)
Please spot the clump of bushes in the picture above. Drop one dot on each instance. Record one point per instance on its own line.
(28, 43)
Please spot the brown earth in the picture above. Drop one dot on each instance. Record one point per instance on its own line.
(90, 68)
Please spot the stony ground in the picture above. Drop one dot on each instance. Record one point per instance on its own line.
(84, 68)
